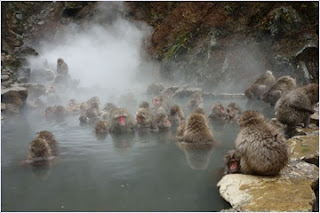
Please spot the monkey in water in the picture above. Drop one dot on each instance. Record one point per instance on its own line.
(162, 121)
(144, 118)
(121, 121)
(101, 127)
(233, 111)
(217, 112)
(195, 102)
(262, 84)
(282, 86)
(296, 107)
(106, 111)
(42, 149)
(260, 146)
(176, 115)
(160, 104)
(196, 130)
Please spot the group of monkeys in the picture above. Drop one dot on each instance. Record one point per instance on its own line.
(260, 147)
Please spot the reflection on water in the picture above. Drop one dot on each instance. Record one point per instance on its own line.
(136, 172)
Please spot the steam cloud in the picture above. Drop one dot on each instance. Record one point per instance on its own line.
(109, 56)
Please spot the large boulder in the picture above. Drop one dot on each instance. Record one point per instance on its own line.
(292, 190)
(14, 99)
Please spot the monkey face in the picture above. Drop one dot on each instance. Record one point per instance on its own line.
(233, 166)
(139, 119)
(122, 120)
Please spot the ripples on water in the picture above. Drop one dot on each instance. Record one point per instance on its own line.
(141, 172)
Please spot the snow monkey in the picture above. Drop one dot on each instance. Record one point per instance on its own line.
(262, 84)
(160, 104)
(121, 121)
(196, 130)
(233, 111)
(296, 107)
(261, 147)
(282, 86)
(176, 115)
(217, 112)
(62, 67)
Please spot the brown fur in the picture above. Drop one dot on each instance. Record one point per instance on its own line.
(217, 112)
(162, 121)
(62, 67)
(176, 115)
(101, 127)
(146, 118)
(144, 104)
(49, 137)
(180, 130)
(115, 125)
(195, 102)
(283, 85)
(232, 162)
(262, 84)
(162, 106)
(296, 106)
(261, 146)
(233, 111)
(42, 149)
(196, 130)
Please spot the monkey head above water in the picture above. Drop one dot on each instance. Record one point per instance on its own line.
(233, 111)
(196, 130)
(261, 147)
(162, 121)
(62, 67)
(101, 127)
(217, 112)
(121, 121)
(176, 115)
(232, 162)
(43, 148)
(144, 118)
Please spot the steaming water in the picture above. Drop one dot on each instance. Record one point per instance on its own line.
(130, 173)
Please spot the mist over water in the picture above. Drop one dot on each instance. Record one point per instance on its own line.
(109, 56)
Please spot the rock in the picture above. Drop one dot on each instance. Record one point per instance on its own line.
(3, 106)
(19, 16)
(314, 118)
(155, 88)
(169, 91)
(14, 98)
(185, 92)
(40, 22)
(5, 77)
(305, 148)
(35, 90)
(290, 191)
(229, 210)
(226, 96)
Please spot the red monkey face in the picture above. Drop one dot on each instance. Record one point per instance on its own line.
(221, 109)
(168, 123)
(139, 119)
(122, 120)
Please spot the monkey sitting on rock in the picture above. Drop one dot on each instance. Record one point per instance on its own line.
(296, 107)
(261, 85)
(260, 148)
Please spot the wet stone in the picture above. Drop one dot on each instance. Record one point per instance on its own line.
(5, 77)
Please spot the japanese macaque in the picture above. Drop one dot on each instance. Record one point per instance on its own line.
(261, 147)
(196, 130)
(176, 115)
(101, 127)
(232, 162)
(282, 86)
(56, 112)
(144, 118)
(195, 102)
(89, 111)
(217, 112)
(121, 121)
(106, 111)
(73, 106)
(160, 104)
(261, 85)
(62, 67)
(42, 149)
(296, 107)
(233, 111)
(162, 121)
(144, 104)
(155, 88)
